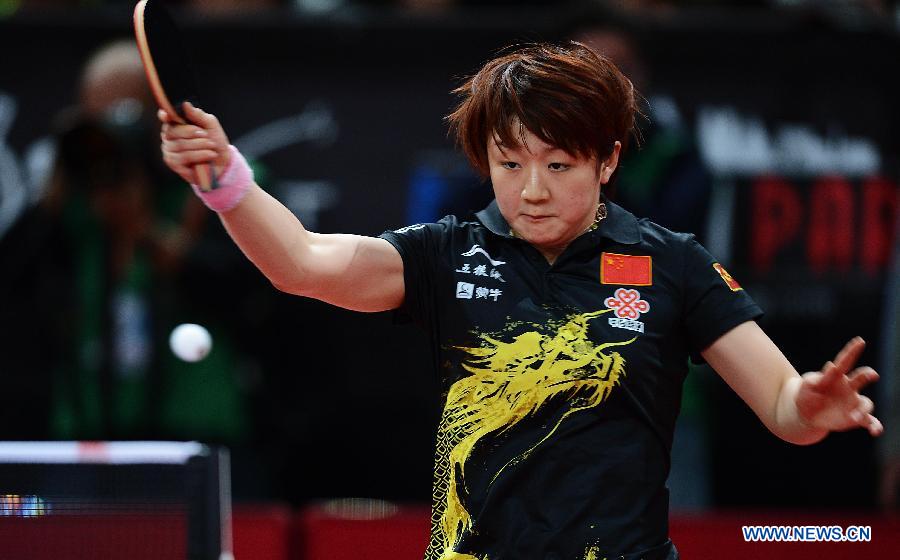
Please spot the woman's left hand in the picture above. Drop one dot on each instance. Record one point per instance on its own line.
(829, 399)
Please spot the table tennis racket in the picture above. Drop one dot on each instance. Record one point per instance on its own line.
(167, 68)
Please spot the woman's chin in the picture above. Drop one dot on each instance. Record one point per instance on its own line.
(540, 238)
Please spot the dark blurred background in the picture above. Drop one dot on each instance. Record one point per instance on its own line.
(771, 133)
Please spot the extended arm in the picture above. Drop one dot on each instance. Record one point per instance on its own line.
(798, 409)
(350, 271)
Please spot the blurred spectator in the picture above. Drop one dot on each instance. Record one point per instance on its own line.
(661, 175)
(102, 273)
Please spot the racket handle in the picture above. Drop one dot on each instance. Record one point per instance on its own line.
(206, 177)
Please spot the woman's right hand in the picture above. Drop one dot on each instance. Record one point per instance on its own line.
(201, 140)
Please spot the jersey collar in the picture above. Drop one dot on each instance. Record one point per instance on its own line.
(620, 225)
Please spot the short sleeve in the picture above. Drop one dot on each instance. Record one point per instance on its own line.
(420, 246)
(714, 302)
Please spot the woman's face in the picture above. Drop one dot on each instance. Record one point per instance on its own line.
(547, 196)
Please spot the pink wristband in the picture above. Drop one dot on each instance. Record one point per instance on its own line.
(233, 184)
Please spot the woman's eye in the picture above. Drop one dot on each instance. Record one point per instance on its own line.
(509, 164)
(558, 166)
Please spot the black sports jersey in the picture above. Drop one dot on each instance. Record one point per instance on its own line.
(561, 383)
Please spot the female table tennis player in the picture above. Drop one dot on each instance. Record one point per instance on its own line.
(562, 324)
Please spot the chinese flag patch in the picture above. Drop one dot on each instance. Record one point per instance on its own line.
(627, 270)
(729, 279)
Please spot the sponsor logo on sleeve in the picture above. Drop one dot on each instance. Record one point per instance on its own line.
(627, 270)
(729, 279)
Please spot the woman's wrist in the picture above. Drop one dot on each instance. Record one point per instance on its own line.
(230, 187)
(802, 430)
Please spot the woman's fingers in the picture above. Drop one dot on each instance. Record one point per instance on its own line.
(874, 425)
(838, 388)
(199, 140)
(860, 413)
(861, 377)
(189, 158)
(827, 372)
(834, 371)
(199, 116)
(185, 145)
(849, 354)
(866, 405)
(182, 132)
(862, 416)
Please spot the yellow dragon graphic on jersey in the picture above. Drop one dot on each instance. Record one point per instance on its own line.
(512, 380)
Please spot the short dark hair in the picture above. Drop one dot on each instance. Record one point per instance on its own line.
(567, 95)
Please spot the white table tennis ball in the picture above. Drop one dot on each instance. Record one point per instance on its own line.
(190, 342)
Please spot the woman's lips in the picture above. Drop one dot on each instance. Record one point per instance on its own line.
(536, 217)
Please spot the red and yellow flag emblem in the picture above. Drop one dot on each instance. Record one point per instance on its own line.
(729, 279)
(626, 270)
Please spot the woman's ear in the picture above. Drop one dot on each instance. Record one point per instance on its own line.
(608, 167)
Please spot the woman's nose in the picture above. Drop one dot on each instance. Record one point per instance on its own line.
(534, 189)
